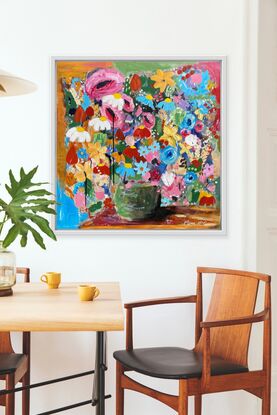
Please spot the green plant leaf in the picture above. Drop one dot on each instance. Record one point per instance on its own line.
(11, 236)
(43, 224)
(37, 237)
(26, 201)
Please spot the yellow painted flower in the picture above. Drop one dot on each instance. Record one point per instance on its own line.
(83, 171)
(171, 135)
(97, 152)
(162, 79)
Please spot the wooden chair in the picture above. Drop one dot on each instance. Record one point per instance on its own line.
(218, 363)
(15, 367)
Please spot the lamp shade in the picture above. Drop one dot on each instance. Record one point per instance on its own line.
(12, 85)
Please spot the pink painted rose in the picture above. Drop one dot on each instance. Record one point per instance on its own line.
(103, 82)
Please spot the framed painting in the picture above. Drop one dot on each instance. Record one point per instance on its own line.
(139, 144)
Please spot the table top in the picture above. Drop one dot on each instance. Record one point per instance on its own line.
(35, 307)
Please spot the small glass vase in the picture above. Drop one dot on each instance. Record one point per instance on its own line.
(7, 271)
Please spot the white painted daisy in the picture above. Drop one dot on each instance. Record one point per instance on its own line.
(191, 140)
(114, 100)
(78, 134)
(100, 124)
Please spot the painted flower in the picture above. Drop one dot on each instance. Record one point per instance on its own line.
(104, 82)
(162, 79)
(208, 170)
(135, 83)
(82, 153)
(114, 116)
(126, 169)
(143, 150)
(101, 169)
(128, 103)
(148, 119)
(78, 134)
(129, 140)
(155, 146)
(131, 152)
(80, 200)
(97, 152)
(146, 100)
(175, 189)
(155, 176)
(199, 126)
(188, 122)
(167, 104)
(114, 100)
(169, 155)
(142, 132)
(100, 124)
(190, 177)
(168, 178)
(141, 168)
(83, 171)
(170, 135)
(194, 83)
(191, 140)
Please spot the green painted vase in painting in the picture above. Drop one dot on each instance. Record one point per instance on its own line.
(7, 271)
(138, 202)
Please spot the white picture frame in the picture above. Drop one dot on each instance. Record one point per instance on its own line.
(223, 161)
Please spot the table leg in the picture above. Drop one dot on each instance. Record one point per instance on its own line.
(99, 377)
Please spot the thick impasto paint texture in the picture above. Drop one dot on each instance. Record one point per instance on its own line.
(138, 144)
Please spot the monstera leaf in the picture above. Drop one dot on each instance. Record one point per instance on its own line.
(27, 201)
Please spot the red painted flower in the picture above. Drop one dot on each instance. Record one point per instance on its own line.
(207, 201)
(135, 83)
(101, 169)
(131, 152)
(142, 132)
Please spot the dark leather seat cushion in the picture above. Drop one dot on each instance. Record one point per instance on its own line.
(9, 362)
(173, 363)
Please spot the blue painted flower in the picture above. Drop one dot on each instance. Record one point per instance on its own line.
(144, 150)
(146, 100)
(155, 147)
(167, 104)
(169, 155)
(190, 177)
(141, 168)
(126, 169)
(193, 84)
(82, 153)
(188, 122)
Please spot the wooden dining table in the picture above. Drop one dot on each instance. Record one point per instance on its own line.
(36, 308)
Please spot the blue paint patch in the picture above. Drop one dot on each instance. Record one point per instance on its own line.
(68, 216)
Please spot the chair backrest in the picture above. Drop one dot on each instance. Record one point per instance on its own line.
(234, 295)
(5, 337)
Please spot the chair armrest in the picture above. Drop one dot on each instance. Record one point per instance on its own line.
(207, 325)
(255, 318)
(158, 301)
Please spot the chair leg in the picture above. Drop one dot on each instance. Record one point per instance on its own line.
(119, 390)
(183, 398)
(10, 401)
(198, 405)
(26, 395)
(266, 401)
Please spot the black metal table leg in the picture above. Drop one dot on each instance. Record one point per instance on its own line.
(99, 378)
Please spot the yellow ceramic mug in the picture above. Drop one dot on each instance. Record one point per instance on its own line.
(52, 279)
(88, 292)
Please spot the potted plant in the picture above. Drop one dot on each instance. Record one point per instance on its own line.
(28, 200)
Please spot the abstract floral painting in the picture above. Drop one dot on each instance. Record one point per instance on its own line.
(138, 144)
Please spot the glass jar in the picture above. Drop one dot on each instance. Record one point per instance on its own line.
(7, 271)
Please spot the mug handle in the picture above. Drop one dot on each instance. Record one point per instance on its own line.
(97, 292)
(43, 278)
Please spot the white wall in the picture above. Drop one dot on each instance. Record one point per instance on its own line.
(32, 31)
